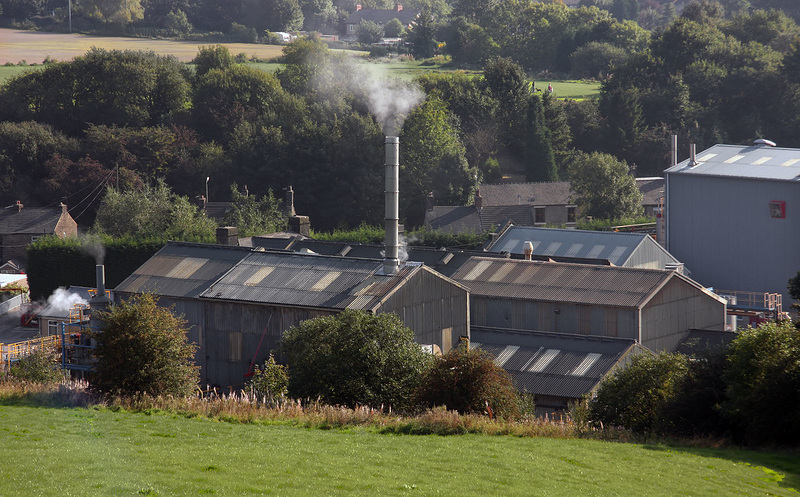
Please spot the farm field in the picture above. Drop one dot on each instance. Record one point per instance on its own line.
(49, 451)
(34, 46)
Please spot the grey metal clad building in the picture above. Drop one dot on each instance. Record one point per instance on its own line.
(239, 302)
(620, 249)
(733, 217)
(652, 307)
(555, 367)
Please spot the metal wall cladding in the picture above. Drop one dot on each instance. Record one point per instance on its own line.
(560, 282)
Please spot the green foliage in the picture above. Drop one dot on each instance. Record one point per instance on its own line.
(540, 164)
(142, 349)
(393, 28)
(40, 366)
(254, 216)
(354, 358)
(637, 397)
(212, 57)
(177, 23)
(368, 234)
(468, 381)
(603, 187)
(794, 287)
(597, 224)
(269, 381)
(60, 262)
(422, 35)
(364, 233)
(368, 32)
(763, 383)
(434, 161)
(153, 211)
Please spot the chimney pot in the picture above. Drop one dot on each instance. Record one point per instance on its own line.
(358, 7)
(19, 205)
(430, 200)
(289, 201)
(398, 7)
(63, 208)
(478, 199)
(527, 249)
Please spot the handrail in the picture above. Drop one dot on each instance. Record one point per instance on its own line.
(15, 351)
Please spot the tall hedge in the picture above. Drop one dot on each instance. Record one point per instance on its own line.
(54, 262)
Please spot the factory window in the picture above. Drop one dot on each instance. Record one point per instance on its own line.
(447, 339)
(52, 327)
(235, 346)
(571, 212)
(538, 215)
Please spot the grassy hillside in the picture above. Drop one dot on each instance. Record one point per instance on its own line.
(49, 451)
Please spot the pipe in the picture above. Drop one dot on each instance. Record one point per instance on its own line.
(392, 198)
(674, 150)
(527, 249)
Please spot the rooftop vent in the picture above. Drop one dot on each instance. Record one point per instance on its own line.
(763, 142)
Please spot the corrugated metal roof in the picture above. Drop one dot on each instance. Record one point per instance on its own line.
(739, 161)
(552, 364)
(561, 282)
(182, 269)
(612, 246)
(307, 281)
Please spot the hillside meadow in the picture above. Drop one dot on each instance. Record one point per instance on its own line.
(97, 451)
(33, 47)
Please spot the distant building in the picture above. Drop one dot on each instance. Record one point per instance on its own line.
(523, 204)
(20, 226)
(733, 217)
(620, 249)
(239, 301)
(655, 308)
(379, 17)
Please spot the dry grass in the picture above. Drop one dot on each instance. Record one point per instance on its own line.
(35, 46)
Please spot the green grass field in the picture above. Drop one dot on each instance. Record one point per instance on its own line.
(49, 451)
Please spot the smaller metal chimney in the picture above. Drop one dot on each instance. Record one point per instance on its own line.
(764, 142)
(674, 161)
(100, 302)
(692, 155)
(527, 249)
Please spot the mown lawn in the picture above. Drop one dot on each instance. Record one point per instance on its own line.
(47, 451)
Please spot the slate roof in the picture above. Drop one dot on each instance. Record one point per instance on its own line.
(182, 269)
(29, 220)
(542, 193)
(308, 281)
(553, 364)
(615, 247)
(562, 282)
(749, 162)
(652, 189)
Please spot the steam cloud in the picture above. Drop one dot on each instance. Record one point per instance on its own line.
(402, 253)
(388, 99)
(62, 300)
(93, 245)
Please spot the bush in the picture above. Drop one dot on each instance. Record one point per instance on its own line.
(354, 358)
(468, 381)
(637, 397)
(269, 381)
(763, 384)
(143, 348)
(40, 366)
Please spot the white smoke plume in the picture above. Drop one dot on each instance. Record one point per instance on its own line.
(62, 300)
(388, 99)
(402, 251)
(93, 245)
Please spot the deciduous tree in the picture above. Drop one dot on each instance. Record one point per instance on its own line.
(603, 188)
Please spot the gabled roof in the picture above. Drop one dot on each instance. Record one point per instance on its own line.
(542, 193)
(308, 281)
(553, 364)
(182, 269)
(455, 219)
(652, 190)
(615, 247)
(382, 16)
(751, 162)
(562, 282)
(29, 220)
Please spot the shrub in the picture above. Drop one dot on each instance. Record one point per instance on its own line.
(354, 358)
(468, 381)
(143, 348)
(763, 384)
(638, 396)
(40, 366)
(269, 381)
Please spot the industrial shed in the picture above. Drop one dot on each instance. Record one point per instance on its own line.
(733, 217)
(557, 368)
(239, 301)
(653, 307)
(636, 250)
